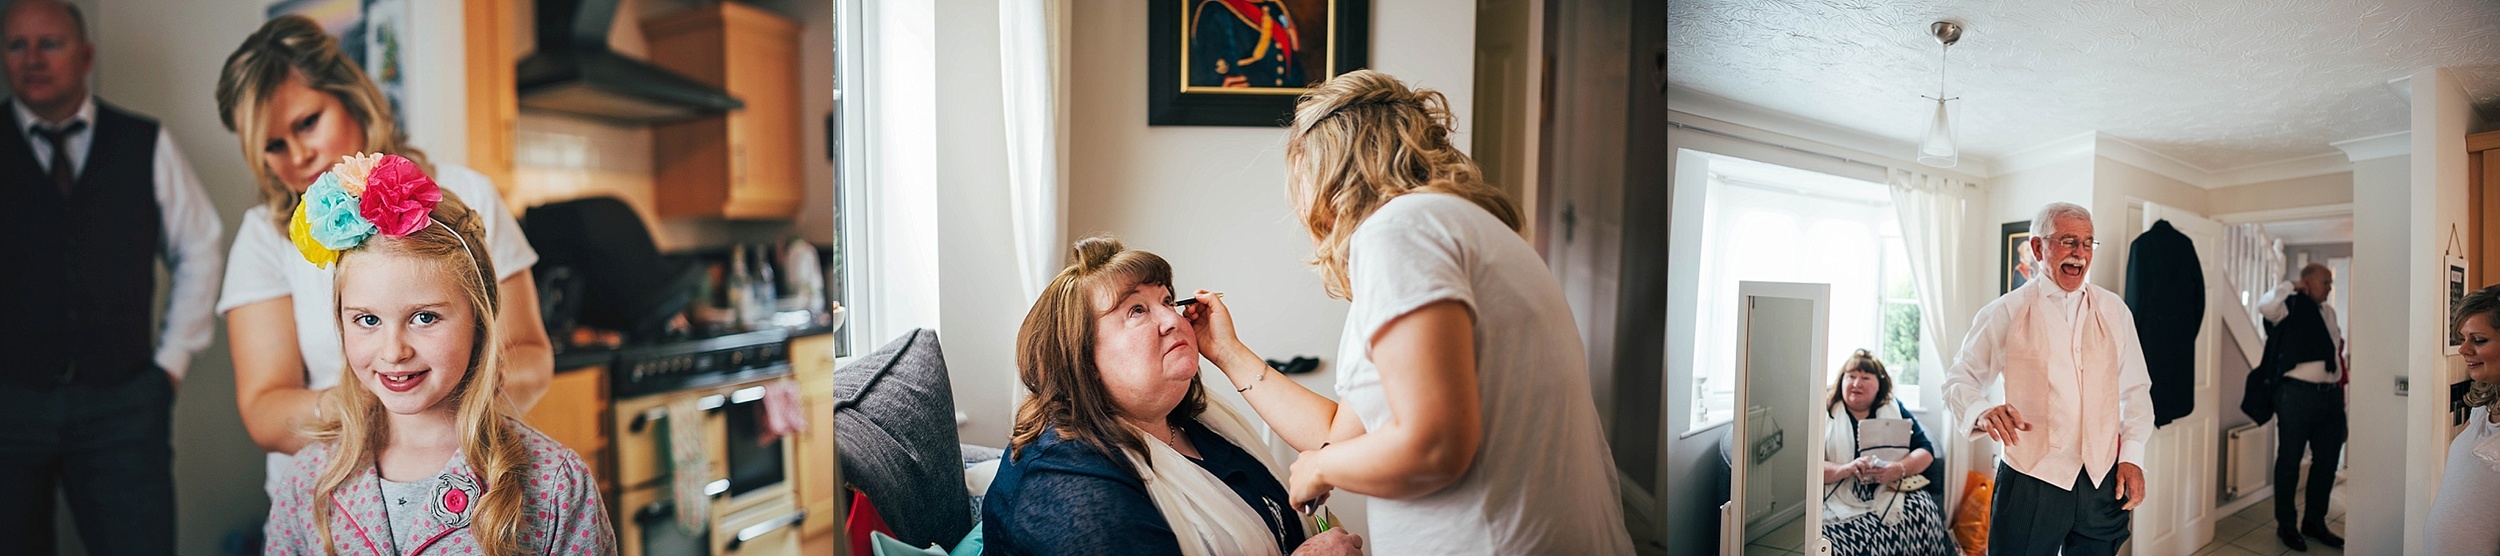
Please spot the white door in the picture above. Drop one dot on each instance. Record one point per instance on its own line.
(2177, 516)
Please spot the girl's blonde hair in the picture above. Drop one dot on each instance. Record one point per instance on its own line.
(352, 420)
(295, 47)
(1362, 139)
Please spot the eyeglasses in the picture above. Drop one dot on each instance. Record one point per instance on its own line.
(2072, 243)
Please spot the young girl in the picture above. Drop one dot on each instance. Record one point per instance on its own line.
(421, 458)
(297, 102)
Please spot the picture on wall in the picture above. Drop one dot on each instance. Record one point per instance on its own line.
(1244, 62)
(369, 31)
(2456, 296)
(2016, 269)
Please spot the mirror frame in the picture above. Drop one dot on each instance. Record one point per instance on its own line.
(1732, 539)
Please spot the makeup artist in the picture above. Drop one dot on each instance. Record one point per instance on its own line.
(1459, 340)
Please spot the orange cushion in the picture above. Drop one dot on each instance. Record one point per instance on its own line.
(1970, 520)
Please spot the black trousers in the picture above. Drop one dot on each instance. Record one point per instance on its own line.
(2312, 419)
(2028, 516)
(107, 449)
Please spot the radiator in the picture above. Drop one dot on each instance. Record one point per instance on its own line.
(2250, 448)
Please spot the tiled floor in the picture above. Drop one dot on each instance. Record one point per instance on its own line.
(1783, 541)
(2250, 532)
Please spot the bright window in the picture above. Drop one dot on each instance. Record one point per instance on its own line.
(1763, 222)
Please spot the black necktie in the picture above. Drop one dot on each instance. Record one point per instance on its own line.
(62, 175)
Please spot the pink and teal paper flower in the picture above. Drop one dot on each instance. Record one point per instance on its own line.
(331, 215)
(361, 196)
(398, 198)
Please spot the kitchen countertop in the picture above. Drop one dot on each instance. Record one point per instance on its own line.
(583, 357)
(578, 358)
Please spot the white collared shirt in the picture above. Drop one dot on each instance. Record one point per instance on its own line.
(1980, 364)
(190, 238)
(2272, 306)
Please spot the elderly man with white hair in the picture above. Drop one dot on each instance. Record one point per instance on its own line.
(2078, 405)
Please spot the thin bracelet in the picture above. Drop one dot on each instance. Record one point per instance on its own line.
(1255, 383)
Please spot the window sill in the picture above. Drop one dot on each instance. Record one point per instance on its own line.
(1714, 424)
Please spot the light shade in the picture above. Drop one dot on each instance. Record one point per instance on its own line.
(1938, 148)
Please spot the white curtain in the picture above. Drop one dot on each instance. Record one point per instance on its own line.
(1931, 210)
(1033, 62)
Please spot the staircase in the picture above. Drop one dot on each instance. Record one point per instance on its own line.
(2252, 264)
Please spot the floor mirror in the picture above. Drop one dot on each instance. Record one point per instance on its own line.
(1778, 437)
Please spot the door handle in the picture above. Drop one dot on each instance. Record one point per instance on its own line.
(768, 526)
(706, 404)
(656, 510)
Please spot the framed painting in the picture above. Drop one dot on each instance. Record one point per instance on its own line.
(1244, 62)
(2016, 269)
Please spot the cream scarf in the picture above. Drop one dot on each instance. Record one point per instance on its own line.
(1840, 445)
(1206, 516)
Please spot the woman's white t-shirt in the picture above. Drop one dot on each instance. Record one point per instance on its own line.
(2463, 519)
(264, 265)
(1543, 480)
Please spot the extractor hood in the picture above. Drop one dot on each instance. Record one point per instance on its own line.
(574, 72)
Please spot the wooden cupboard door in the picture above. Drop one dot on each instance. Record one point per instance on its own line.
(574, 413)
(2484, 214)
(819, 476)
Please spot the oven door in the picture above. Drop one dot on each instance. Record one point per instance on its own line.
(763, 531)
(758, 469)
(650, 527)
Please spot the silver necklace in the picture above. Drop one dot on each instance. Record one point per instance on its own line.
(1174, 441)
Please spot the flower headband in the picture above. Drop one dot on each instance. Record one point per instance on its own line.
(363, 195)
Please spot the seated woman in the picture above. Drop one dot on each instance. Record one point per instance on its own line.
(1116, 449)
(1867, 509)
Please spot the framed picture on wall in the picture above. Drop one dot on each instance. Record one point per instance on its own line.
(2456, 296)
(1244, 62)
(2016, 269)
(369, 31)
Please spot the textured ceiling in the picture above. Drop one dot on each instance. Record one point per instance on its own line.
(2218, 84)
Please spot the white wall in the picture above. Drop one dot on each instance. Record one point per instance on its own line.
(981, 303)
(2116, 185)
(2374, 502)
(2442, 116)
(1212, 199)
(2323, 189)
(2018, 196)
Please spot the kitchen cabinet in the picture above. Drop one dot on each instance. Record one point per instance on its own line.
(574, 413)
(744, 165)
(819, 477)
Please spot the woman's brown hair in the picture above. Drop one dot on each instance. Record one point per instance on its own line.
(1055, 354)
(1863, 362)
(295, 47)
(1362, 139)
(352, 421)
(2486, 303)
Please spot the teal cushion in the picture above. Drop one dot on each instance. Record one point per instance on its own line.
(887, 546)
(971, 545)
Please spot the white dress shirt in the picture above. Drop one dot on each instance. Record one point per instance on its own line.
(2272, 306)
(190, 240)
(1982, 361)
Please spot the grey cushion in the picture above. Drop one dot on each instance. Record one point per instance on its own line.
(894, 416)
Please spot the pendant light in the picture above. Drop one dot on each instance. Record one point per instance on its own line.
(1937, 148)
